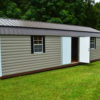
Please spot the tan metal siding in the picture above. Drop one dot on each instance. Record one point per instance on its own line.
(95, 53)
(17, 57)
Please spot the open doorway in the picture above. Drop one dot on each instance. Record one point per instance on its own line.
(75, 49)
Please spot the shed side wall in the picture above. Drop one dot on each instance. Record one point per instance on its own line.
(17, 57)
(95, 53)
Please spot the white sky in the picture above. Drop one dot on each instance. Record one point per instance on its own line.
(97, 0)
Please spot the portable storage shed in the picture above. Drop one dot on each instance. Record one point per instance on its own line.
(28, 46)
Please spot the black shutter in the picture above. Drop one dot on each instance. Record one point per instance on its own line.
(32, 45)
(95, 42)
(43, 44)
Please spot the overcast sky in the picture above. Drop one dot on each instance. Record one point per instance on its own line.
(97, 0)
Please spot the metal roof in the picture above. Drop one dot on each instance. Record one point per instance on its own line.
(31, 31)
(23, 27)
(33, 24)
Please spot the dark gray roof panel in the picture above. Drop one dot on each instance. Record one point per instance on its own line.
(33, 24)
(31, 31)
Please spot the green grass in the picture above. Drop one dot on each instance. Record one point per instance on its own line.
(75, 83)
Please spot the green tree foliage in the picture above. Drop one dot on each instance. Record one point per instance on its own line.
(90, 14)
(78, 12)
(9, 9)
(97, 11)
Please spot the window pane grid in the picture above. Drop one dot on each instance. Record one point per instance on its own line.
(38, 42)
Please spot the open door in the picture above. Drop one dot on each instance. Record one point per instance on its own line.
(84, 49)
(66, 50)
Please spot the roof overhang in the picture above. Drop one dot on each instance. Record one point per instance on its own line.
(36, 31)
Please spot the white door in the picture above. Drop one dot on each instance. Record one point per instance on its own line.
(0, 59)
(84, 49)
(66, 50)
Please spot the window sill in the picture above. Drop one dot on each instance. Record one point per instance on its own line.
(39, 53)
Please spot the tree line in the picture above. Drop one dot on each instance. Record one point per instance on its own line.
(75, 12)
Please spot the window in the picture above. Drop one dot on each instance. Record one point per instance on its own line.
(93, 43)
(37, 44)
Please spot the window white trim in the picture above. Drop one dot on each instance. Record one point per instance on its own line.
(0, 59)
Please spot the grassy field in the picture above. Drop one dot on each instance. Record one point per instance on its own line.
(75, 83)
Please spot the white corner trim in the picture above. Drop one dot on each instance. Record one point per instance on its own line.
(0, 59)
